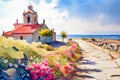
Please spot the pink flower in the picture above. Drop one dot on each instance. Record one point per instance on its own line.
(28, 68)
(66, 51)
(73, 50)
(65, 67)
(49, 77)
(43, 73)
(43, 67)
(71, 42)
(10, 64)
(34, 77)
(37, 71)
(41, 70)
(45, 62)
(57, 65)
(38, 66)
(34, 65)
(32, 72)
(73, 46)
(50, 71)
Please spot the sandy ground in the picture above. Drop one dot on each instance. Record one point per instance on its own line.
(97, 64)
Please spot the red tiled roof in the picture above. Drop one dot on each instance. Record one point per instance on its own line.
(23, 29)
(9, 33)
(27, 28)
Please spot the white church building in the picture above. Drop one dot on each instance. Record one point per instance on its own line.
(29, 29)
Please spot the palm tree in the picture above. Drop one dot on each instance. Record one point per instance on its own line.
(63, 35)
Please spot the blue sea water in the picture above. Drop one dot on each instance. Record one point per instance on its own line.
(116, 37)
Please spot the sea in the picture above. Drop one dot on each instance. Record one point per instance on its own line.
(114, 37)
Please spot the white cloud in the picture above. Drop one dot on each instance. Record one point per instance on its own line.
(83, 26)
(11, 11)
(55, 18)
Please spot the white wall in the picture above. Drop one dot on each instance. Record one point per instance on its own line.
(48, 39)
(42, 39)
(27, 37)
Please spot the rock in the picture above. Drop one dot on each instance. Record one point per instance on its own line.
(12, 73)
(119, 49)
(110, 46)
(100, 44)
(105, 45)
(4, 76)
(115, 47)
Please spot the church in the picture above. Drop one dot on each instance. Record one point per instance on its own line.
(29, 29)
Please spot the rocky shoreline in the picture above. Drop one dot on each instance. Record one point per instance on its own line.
(113, 45)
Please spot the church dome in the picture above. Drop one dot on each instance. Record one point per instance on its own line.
(30, 7)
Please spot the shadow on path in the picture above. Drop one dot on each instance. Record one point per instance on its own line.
(83, 72)
(87, 62)
(80, 77)
(84, 76)
(77, 77)
(88, 70)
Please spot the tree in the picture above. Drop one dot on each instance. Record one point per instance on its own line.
(45, 32)
(63, 35)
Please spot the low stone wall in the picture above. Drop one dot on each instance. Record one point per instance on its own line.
(108, 44)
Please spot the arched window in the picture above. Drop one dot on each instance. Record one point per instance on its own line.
(28, 19)
(35, 19)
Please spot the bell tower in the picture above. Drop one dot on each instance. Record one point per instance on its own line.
(30, 17)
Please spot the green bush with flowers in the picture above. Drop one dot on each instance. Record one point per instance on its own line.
(39, 61)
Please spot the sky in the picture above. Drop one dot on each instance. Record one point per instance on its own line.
(73, 16)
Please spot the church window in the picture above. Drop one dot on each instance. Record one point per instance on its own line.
(38, 38)
(28, 19)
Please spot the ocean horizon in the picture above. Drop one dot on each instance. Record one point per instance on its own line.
(116, 37)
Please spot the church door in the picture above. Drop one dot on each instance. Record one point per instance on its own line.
(21, 37)
(38, 38)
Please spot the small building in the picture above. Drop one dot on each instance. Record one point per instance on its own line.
(29, 29)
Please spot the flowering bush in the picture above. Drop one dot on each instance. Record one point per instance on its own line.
(68, 69)
(38, 61)
(41, 71)
(73, 51)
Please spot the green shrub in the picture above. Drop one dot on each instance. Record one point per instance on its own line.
(93, 39)
(83, 38)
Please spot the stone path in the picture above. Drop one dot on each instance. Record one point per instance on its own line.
(97, 64)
